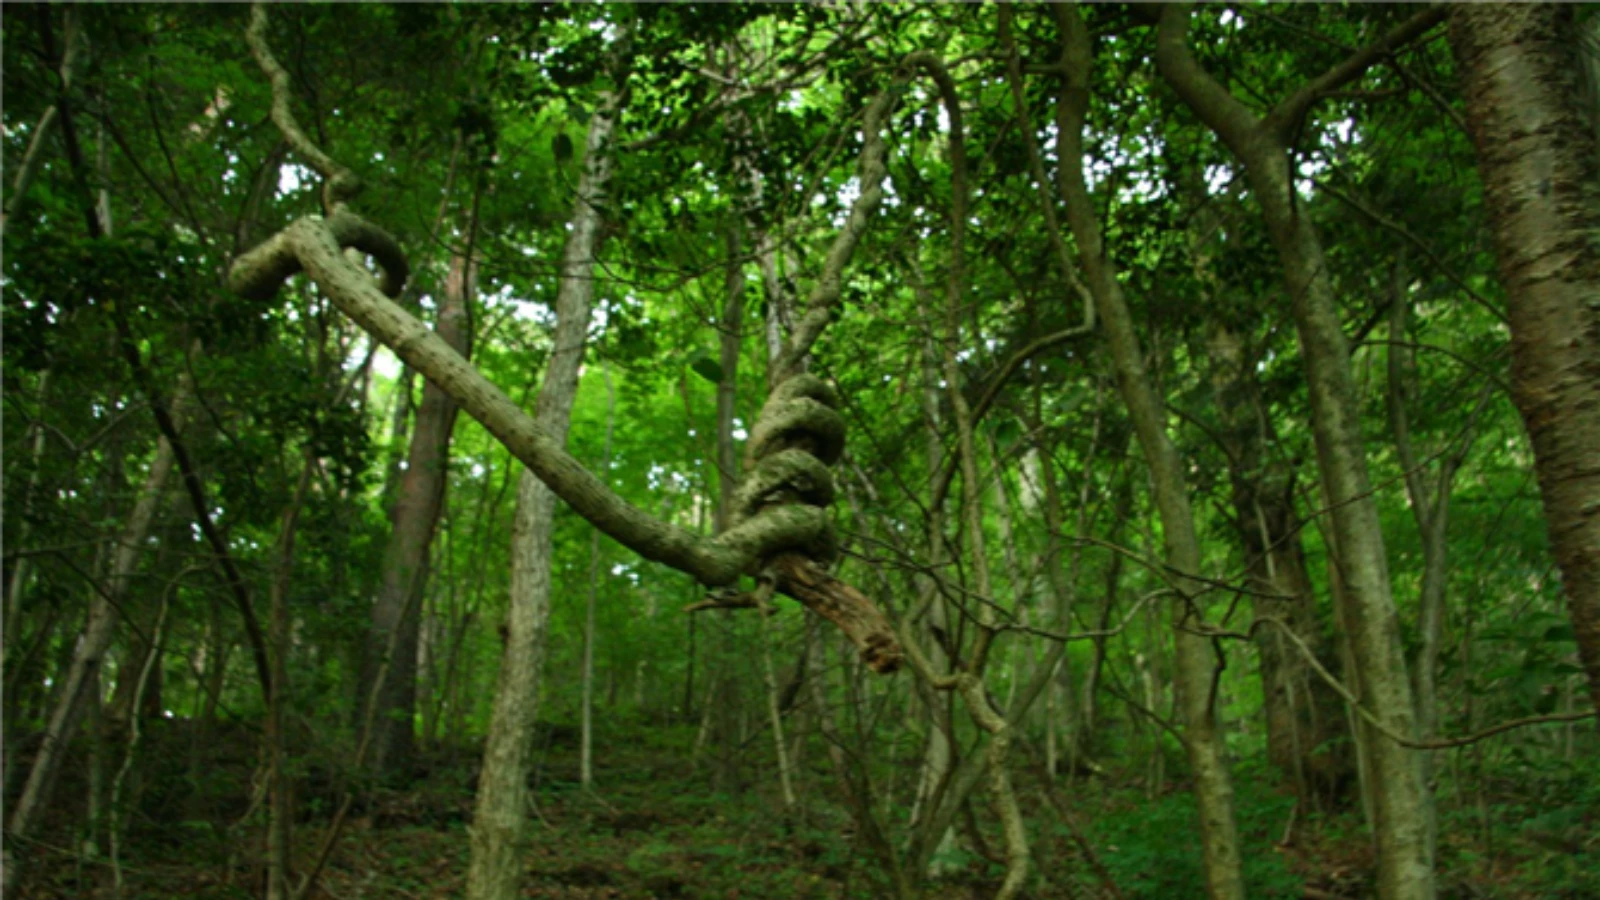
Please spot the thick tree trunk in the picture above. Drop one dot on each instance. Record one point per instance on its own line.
(396, 610)
(496, 868)
(1538, 157)
(1195, 663)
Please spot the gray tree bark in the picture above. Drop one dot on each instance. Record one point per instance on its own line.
(495, 871)
(1194, 660)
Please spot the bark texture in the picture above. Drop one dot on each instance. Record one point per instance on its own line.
(495, 872)
(405, 561)
(1540, 165)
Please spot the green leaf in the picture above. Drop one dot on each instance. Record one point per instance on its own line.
(707, 368)
(1560, 633)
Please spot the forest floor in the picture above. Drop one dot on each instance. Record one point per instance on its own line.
(654, 828)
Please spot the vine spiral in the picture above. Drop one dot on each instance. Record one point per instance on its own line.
(797, 437)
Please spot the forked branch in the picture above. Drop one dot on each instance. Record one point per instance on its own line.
(783, 521)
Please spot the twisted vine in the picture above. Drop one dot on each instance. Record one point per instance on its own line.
(781, 531)
(795, 441)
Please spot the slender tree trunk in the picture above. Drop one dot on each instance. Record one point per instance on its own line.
(46, 127)
(495, 871)
(16, 586)
(586, 753)
(17, 583)
(29, 169)
(280, 789)
(152, 663)
(937, 757)
(405, 561)
(1303, 717)
(1539, 157)
(1405, 852)
(854, 781)
(726, 695)
(91, 647)
(1195, 663)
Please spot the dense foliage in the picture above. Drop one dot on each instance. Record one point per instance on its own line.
(996, 498)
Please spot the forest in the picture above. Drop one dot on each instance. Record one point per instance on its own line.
(811, 450)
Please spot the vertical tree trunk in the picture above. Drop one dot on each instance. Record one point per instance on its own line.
(152, 662)
(1302, 713)
(1195, 663)
(46, 127)
(91, 647)
(727, 697)
(496, 867)
(396, 610)
(1405, 852)
(16, 586)
(1539, 158)
(586, 752)
(16, 582)
(280, 789)
(937, 756)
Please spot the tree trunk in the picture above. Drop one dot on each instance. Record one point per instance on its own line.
(1540, 163)
(405, 561)
(91, 647)
(16, 587)
(1303, 718)
(495, 871)
(1405, 853)
(586, 753)
(46, 127)
(1195, 662)
(726, 694)
(280, 788)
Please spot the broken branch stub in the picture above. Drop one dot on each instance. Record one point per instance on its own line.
(798, 435)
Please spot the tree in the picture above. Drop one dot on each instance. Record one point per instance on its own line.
(1522, 71)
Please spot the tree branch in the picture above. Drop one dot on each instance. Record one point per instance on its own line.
(1285, 118)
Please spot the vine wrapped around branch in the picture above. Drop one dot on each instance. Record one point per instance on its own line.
(782, 526)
